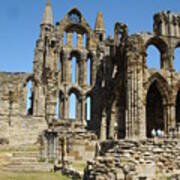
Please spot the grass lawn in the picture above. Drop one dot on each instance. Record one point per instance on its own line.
(32, 176)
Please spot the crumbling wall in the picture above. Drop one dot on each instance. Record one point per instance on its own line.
(149, 159)
(17, 126)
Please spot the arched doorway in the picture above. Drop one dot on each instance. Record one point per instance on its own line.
(154, 110)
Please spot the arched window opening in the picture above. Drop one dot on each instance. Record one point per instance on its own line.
(178, 109)
(74, 69)
(153, 57)
(177, 59)
(57, 108)
(154, 110)
(88, 78)
(29, 102)
(74, 39)
(88, 108)
(64, 38)
(84, 40)
(72, 107)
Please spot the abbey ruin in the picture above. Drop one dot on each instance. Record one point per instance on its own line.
(127, 99)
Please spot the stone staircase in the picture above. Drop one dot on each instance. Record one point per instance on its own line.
(26, 162)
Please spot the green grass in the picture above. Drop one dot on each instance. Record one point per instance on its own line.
(79, 166)
(32, 176)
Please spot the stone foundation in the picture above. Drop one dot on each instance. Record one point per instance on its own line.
(67, 143)
(149, 159)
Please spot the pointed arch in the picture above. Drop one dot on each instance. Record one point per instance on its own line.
(161, 84)
(75, 66)
(157, 98)
(154, 110)
(156, 57)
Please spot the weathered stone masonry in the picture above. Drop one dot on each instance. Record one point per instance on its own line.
(128, 99)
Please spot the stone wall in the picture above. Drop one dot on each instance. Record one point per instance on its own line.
(68, 143)
(17, 126)
(149, 159)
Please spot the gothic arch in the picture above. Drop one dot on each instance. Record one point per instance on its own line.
(162, 85)
(75, 53)
(162, 47)
(156, 102)
(76, 91)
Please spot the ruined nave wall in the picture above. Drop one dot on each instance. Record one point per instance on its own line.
(17, 126)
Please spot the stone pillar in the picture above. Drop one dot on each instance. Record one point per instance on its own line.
(39, 95)
(79, 41)
(135, 124)
(69, 40)
(83, 110)
(103, 130)
(66, 107)
(61, 107)
(167, 59)
(171, 116)
(93, 69)
(78, 71)
(112, 123)
(78, 110)
(83, 71)
(66, 67)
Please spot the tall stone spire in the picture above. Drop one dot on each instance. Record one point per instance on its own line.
(99, 27)
(99, 22)
(47, 17)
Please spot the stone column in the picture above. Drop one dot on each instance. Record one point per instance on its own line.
(135, 124)
(66, 67)
(69, 42)
(112, 123)
(103, 130)
(79, 41)
(171, 117)
(83, 110)
(61, 107)
(66, 107)
(78, 110)
(93, 69)
(83, 71)
(78, 71)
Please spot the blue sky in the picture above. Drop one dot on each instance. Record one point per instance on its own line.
(20, 20)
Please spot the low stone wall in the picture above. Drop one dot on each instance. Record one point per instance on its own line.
(149, 159)
(23, 130)
(68, 143)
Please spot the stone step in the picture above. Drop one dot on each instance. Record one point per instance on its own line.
(28, 165)
(24, 163)
(28, 169)
(23, 159)
(25, 154)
